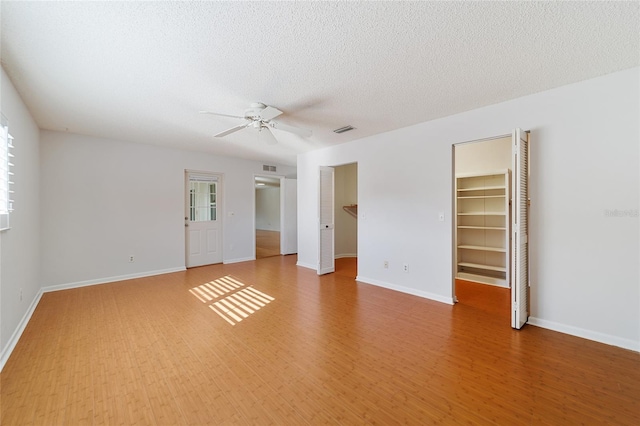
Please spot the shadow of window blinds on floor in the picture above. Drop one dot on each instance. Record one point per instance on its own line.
(238, 301)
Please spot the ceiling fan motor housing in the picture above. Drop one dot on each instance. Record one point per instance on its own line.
(253, 113)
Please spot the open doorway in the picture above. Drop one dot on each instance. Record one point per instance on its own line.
(481, 195)
(338, 220)
(267, 216)
(491, 226)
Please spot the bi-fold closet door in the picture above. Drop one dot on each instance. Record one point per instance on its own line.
(520, 229)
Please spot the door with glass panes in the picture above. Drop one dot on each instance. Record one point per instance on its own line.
(203, 221)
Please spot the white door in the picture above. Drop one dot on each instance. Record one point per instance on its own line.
(289, 216)
(520, 229)
(203, 219)
(326, 261)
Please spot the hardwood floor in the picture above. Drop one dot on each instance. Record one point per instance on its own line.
(493, 300)
(267, 243)
(314, 350)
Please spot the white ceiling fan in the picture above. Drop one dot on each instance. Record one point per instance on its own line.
(260, 117)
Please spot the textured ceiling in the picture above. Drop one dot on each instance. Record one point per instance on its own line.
(141, 71)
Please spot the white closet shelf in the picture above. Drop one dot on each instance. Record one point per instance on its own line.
(495, 228)
(481, 266)
(482, 188)
(479, 197)
(483, 248)
(482, 240)
(351, 209)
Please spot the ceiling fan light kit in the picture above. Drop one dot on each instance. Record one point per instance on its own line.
(265, 135)
(260, 117)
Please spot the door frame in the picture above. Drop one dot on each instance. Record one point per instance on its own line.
(220, 201)
(358, 228)
(454, 221)
(281, 202)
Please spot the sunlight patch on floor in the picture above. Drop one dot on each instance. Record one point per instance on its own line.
(239, 300)
(216, 288)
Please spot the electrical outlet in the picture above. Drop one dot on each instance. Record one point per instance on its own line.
(21, 295)
(131, 259)
(386, 264)
(441, 216)
(405, 267)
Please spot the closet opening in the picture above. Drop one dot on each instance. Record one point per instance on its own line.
(267, 216)
(346, 219)
(490, 234)
(338, 217)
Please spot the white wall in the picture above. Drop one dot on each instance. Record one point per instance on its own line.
(585, 162)
(346, 226)
(104, 200)
(268, 208)
(20, 246)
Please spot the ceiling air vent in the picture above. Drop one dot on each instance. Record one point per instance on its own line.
(344, 129)
(266, 168)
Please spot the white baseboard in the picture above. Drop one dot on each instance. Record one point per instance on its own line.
(110, 279)
(307, 265)
(424, 294)
(342, 255)
(586, 334)
(13, 340)
(238, 260)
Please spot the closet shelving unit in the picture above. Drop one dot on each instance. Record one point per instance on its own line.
(482, 227)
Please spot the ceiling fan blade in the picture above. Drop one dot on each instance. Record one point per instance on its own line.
(295, 130)
(269, 112)
(265, 135)
(221, 115)
(231, 130)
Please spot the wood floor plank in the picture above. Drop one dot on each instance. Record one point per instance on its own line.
(304, 349)
(267, 243)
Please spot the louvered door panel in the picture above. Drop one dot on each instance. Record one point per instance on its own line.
(520, 230)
